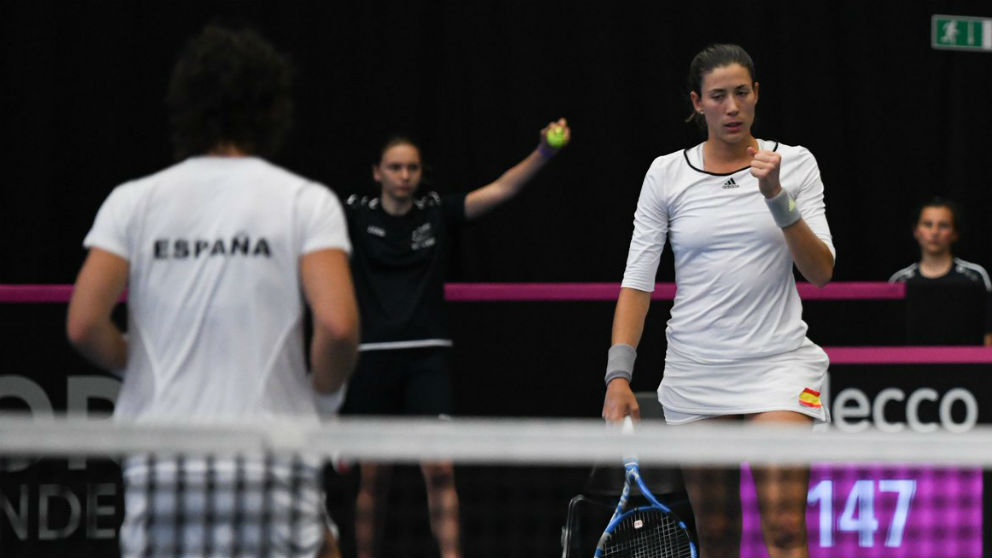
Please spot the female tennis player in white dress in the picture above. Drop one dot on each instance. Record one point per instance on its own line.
(739, 213)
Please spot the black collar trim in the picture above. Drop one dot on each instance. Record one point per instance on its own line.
(685, 153)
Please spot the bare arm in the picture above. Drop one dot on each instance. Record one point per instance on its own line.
(483, 200)
(327, 285)
(99, 286)
(628, 325)
(810, 254)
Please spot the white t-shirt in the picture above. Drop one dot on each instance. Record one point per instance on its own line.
(215, 308)
(736, 296)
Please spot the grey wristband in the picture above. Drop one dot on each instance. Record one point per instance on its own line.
(783, 209)
(620, 362)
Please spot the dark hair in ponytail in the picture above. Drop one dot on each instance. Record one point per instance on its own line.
(708, 59)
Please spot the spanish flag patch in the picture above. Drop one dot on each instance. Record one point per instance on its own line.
(810, 398)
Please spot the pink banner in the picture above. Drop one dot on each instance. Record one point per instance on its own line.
(484, 292)
(909, 355)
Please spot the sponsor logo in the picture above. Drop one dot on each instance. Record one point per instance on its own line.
(925, 410)
(422, 237)
(62, 499)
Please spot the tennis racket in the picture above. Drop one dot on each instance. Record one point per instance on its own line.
(651, 531)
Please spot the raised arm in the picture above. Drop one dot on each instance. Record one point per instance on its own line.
(327, 285)
(486, 198)
(628, 325)
(811, 256)
(98, 287)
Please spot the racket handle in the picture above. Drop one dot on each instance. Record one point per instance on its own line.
(629, 457)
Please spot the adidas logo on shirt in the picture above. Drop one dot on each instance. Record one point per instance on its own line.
(730, 184)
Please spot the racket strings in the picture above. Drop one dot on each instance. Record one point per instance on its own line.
(648, 533)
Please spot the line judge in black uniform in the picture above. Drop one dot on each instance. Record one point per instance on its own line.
(400, 241)
(948, 299)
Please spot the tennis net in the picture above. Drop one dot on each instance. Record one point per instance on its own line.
(527, 487)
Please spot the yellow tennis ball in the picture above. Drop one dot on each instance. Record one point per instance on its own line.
(556, 137)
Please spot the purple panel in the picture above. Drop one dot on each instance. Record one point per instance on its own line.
(942, 506)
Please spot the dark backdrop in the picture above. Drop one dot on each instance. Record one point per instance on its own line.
(890, 120)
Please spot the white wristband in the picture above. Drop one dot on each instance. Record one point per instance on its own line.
(783, 209)
(328, 404)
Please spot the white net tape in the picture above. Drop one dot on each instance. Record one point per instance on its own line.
(503, 441)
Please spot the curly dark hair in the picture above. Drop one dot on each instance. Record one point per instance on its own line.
(229, 87)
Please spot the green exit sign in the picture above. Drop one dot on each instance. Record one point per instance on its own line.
(960, 33)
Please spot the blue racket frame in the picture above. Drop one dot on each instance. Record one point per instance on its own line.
(633, 473)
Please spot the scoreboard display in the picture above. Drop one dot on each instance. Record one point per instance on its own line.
(882, 511)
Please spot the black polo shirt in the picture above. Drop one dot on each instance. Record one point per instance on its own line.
(953, 309)
(398, 264)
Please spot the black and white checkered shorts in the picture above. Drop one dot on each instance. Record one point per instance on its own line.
(258, 506)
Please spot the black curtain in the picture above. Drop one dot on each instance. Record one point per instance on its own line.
(891, 121)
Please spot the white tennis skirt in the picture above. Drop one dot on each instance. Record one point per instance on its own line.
(251, 506)
(791, 381)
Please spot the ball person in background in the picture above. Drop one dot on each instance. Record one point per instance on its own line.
(739, 213)
(400, 238)
(219, 253)
(936, 230)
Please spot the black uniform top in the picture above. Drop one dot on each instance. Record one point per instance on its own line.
(398, 264)
(953, 309)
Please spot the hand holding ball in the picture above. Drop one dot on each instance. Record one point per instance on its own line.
(556, 137)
